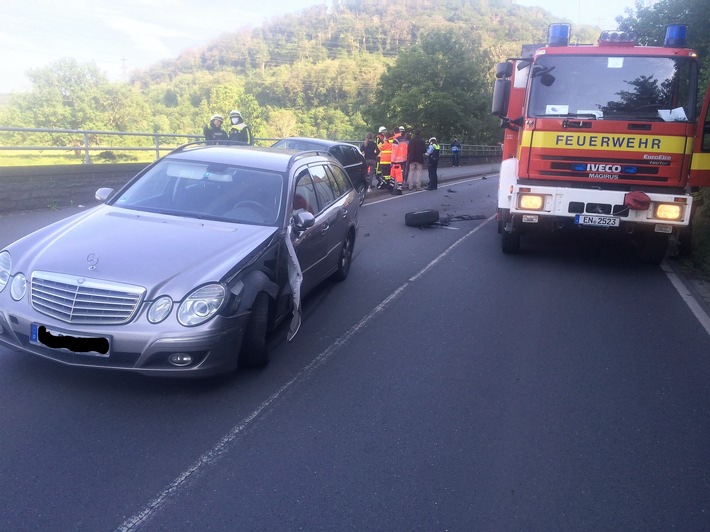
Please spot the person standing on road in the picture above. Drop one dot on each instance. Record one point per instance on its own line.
(386, 160)
(433, 156)
(238, 130)
(455, 153)
(214, 134)
(379, 140)
(415, 160)
(370, 151)
(399, 160)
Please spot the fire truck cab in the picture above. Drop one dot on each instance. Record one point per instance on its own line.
(603, 137)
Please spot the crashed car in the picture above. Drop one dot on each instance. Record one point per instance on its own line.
(347, 154)
(185, 269)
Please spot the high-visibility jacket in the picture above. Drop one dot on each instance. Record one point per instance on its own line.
(242, 133)
(386, 152)
(399, 151)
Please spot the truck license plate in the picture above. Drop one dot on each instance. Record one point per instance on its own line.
(597, 221)
(98, 346)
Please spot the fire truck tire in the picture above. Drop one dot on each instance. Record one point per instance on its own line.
(685, 242)
(510, 242)
(654, 248)
(421, 218)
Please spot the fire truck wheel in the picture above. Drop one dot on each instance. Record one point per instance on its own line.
(421, 218)
(509, 242)
(653, 249)
(685, 242)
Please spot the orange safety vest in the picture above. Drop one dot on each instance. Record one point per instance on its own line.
(399, 154)
(386, 152)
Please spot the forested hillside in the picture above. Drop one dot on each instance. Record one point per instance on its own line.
(333, 72)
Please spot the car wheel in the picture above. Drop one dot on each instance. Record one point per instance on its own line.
(346, 258)
(253, 353)
(421, 218)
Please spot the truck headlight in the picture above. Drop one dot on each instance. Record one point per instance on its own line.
(669, 211)
(201, 305)
(531, 202)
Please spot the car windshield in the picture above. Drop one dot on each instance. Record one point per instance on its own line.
(614, 88)
(208, 191)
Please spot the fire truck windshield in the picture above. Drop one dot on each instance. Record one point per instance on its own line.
(635, 88)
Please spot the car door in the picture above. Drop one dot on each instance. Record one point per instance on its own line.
(353, 162)
(310, 244)
(329, 215)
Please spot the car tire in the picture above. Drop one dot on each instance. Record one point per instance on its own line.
(253, 353)
(421, 218)
(346, 258)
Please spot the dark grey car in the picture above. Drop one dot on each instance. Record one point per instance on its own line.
(347, 154)
(185, 269)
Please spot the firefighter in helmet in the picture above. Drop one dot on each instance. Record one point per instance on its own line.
(238, 130)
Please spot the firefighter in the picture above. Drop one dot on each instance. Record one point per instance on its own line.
(399, 160)
(386, 161)
(379, 140)
(238, 130)
(213, 130)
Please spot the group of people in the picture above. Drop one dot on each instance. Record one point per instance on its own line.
(238, 130)
(395, 159)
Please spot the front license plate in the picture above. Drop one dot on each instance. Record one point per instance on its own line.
(81, 344)
(598, 221)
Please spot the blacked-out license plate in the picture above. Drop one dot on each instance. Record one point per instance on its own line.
(81, 344)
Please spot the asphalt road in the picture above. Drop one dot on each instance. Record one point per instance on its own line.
(442, 386)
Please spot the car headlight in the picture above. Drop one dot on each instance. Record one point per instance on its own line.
(200, 305)
(5, 267)
(160, 309)
(18, 286)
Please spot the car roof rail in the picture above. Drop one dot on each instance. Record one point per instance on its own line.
(201, 143)
(307, 153)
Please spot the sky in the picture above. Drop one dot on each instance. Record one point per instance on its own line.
(123, 35)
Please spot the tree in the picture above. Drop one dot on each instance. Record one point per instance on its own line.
(443, 86)
(650, 23)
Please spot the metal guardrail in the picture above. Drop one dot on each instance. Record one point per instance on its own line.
(88, 143)
(85, 141)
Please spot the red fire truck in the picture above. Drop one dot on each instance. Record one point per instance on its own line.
(607, 137)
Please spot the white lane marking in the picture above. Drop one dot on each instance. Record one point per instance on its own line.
(213, 455)
(689, 299)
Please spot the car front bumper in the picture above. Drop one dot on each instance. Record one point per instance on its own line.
(136, 346)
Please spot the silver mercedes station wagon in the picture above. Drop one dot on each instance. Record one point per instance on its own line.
(186, 268)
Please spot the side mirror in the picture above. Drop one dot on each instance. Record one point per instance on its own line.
(504, 70)
(303, 220)
(103, 194)
(501, 93)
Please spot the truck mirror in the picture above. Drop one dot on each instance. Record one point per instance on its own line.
(501, 92)
(504, 70)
